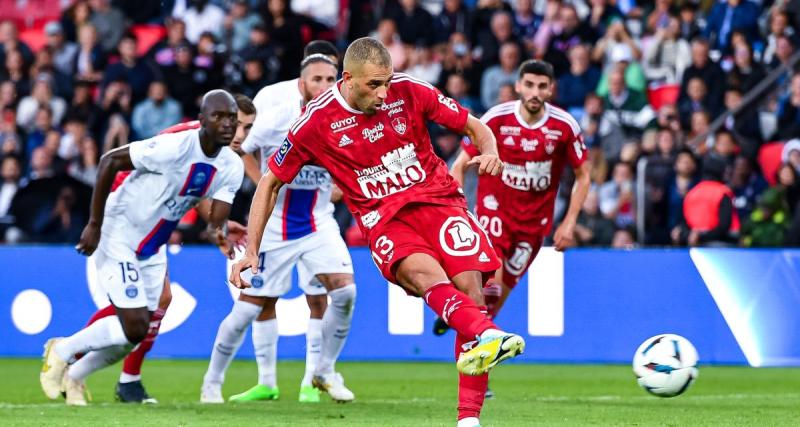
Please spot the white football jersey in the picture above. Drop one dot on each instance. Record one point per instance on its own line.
(171, 174)
(281, 93)
(304, 205)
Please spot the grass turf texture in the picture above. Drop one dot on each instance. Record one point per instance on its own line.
(416, 394)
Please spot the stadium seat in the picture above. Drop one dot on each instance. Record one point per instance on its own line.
(769, 159)
(664, 94)
(147, 35)
(35, 38)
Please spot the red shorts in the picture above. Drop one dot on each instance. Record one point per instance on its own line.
(449, 234)
(515, 247)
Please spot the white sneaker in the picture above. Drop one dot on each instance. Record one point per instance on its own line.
(211, 393)
(469, 422)
(76, 391)
(52, 370)
(333, 383)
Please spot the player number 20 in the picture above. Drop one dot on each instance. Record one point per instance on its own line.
(128, 271)
(491, 224)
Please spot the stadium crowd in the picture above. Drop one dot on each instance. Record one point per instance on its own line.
(646, 79)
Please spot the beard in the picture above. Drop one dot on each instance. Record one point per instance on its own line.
(533, 110)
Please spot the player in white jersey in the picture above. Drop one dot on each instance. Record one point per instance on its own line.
(128, 229)
(303, 233)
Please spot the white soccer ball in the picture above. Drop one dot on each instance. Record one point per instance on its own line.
(666, 365)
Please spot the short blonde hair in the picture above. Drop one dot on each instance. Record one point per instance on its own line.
(366, 50)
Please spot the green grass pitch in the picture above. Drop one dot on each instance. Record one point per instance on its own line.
(417, 394)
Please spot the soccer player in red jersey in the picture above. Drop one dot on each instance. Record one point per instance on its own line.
(535, 140)
(368, 131)
(129, 389)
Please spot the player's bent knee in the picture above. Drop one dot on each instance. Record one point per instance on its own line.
(136, 326)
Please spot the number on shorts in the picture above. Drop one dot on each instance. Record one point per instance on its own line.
(128, 271)
(492, 225)
(261, 260)
(383, 245)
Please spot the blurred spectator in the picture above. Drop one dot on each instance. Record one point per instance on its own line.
(783, 54)
(623, 239)
(10, 139)
(579, 81)
(163, 52)
(424, 66)
(747, 185)
(489, 44)
(75, 17)
(627, 111)
(667, 55)
(603, 15)
(69, 143)
(616, 196)
(200, 17)
(683, 180)
(186, 83)
(507, 93)
(83, 167)
(64, 52)
(286, 34)
(90, 60)
(115, 108)
(769, 222)
(496, 76)
(136, 71)
(698, 139)
(60, 221)
(39, 133)
(778, 26)
(728, 16)
(258, 46)
(8, 95)
(789, 111)
(141, 11)
(16, 72)
(726, 147)
(788, 180)
(322, 12)
(745, 74)
(745, 125)
(9, 41)
(688, 21)
(615, 46)
(238, 23)
(43, 68)
(41, 96)
(387, 34)
(526, 24)
(155, 113)
(84, 108)
(658, 17)
(709, 218)
(41, 165)
(455, 17)
(697, 99)
(457, 87)
(110, 23)
(567, 31)
(10, 174)
(592, 228)
(211, 59)
(791, 154)
(458, 60)
(253, 78)
(706, 70)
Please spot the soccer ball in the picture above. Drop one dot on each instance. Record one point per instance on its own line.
(666, 365)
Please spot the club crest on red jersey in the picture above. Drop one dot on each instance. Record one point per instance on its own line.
(399, 125)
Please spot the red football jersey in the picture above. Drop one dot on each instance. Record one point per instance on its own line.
(180, 127)
(381, 162)
(523, 197)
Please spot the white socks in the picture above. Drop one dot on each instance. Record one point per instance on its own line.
(265, 343)
(103, 333)
(313, 349)
(336, 326)
(229, 338)
(97, 360)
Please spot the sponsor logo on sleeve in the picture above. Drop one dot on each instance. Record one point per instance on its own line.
(283, 150)
(448, 102)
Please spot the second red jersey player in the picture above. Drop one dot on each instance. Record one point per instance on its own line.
(535, 141)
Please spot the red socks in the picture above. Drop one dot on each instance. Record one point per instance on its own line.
(134, 360)
(457, 310)
(471, 389)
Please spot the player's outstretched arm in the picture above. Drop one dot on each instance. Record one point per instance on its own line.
(260, 210)
(483, 139)
(564, 236)
(114, 161)
(459, 168)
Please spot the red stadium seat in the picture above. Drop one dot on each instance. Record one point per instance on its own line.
(769, 158)
(34, 38)
(662, 95)
(147, 35)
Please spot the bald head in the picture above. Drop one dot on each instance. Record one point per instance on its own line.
(366, 51)
(218, 117)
